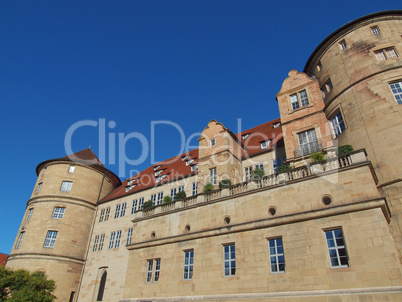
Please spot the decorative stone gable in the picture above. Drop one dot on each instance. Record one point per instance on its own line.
(219, 149)
(304, 124)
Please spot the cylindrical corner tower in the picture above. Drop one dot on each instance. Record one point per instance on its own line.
(58, 220)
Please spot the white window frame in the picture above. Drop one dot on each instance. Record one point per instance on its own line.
(188, 267)
(20, 237)
(140, 203)
(396, 89)
(248, 172)
(375, 30)
(117, 240)
(265, 144)
(310, 143)
(244, 136)
(153, 270)
(337, 124)
(101, 241)
(276, 255)
(29, 215)
(229, 258)
(66, 186)
(95, 246)
(150, 267)
(153, 199)
(336, 248)
(343, 45)
(71, 169)
(299, 99)
(39, 187)
(107, 213)
(123, 209)
(386, 54)
(173, 193)
(117, 212)
(111, 241)
(195, 188)
(134, 208)
(212, 176)
(50, 240)
(129, 236)
(58, 212)
(160, 198)
(101, 215)
(194, 167)
(212, 142)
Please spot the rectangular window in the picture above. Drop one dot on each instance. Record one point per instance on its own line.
(38, 187)
(50, 239)
(212, 176)
(213, 142)
(71, 169)
(101, 240)
(134, 208)
(123, 209)
(259, 166)
(188, 265)
(229, 260)
(173, 193)
(277, 259)
(375, 30)
(336, 248)
(29, 215)
(308, 142)
(276, 163)
(342, 44)
(338, 124)
(102, 215)
(385, 54)
(248, 171)
(118, 237)
(160, 197)
(96, 241)
(150, 269)
(195, 188)
(140, 203)
(17, 246)
(319, 66)
(58, 213)
(117, 212)
(153, 199)
(66, 186)
(107, 214)
(396, 89)
(111, 241)
(129, 235)
(327, 87)
(299, 99)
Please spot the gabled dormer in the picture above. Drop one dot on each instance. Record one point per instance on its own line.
(305, 127)
(220, 153)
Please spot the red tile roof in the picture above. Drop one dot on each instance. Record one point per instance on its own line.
(175, 168)
(3, 258)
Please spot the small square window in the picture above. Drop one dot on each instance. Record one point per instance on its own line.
(213, 142)
(375, 30)
(58, 213)
(66, 186)
(71, 169)
(343, 44)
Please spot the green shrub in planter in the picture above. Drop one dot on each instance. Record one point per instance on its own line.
(180, 195)
(317, 156)
(224, 183)
(208, 187)
(167, 199)
(345, 149)
(284, 168)
(147, 205)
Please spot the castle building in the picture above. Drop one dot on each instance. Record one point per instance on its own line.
(315, 225)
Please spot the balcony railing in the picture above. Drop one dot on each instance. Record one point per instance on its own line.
(272, 180)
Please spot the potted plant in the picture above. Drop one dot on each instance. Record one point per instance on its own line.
(180, 195)
(208, 187)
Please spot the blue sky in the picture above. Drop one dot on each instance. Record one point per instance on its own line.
(129, 63)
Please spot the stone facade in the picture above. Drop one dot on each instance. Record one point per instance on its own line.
(260, 239)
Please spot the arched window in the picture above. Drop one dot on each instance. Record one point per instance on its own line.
(102, 286)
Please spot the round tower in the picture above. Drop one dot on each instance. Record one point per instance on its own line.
(54, 233)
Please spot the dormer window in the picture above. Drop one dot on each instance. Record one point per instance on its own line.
(276, 125)
(130, 188)
(194, 167)
(156, 168)
(184, 158)
(343, 44)
(131, 181)
(265, 144)
(159, 178)
(189, 161)
(244, 136)
(299, 99)
(158, 172)
(213, 142)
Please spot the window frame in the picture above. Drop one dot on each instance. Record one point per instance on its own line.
(188, 264)
(383, 54)
(275, 254)
(66, 186)
(338, 125)
(375, 30)
(248, 172)
(123, 209)
(117, 239)
(50, 239)
(159, 199)
(71, 169)
(336, 248)
(111, 240)
(58, 212)
(213, 176)
(101, 242)
(195, 188)
(29, 214)
(117, 211)
(20, 238)
(308, 143)
(398, 93)
(129, 236)
(212, 142)
(342, 44)
(297, 101)
(228, 269)
(39, 187)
